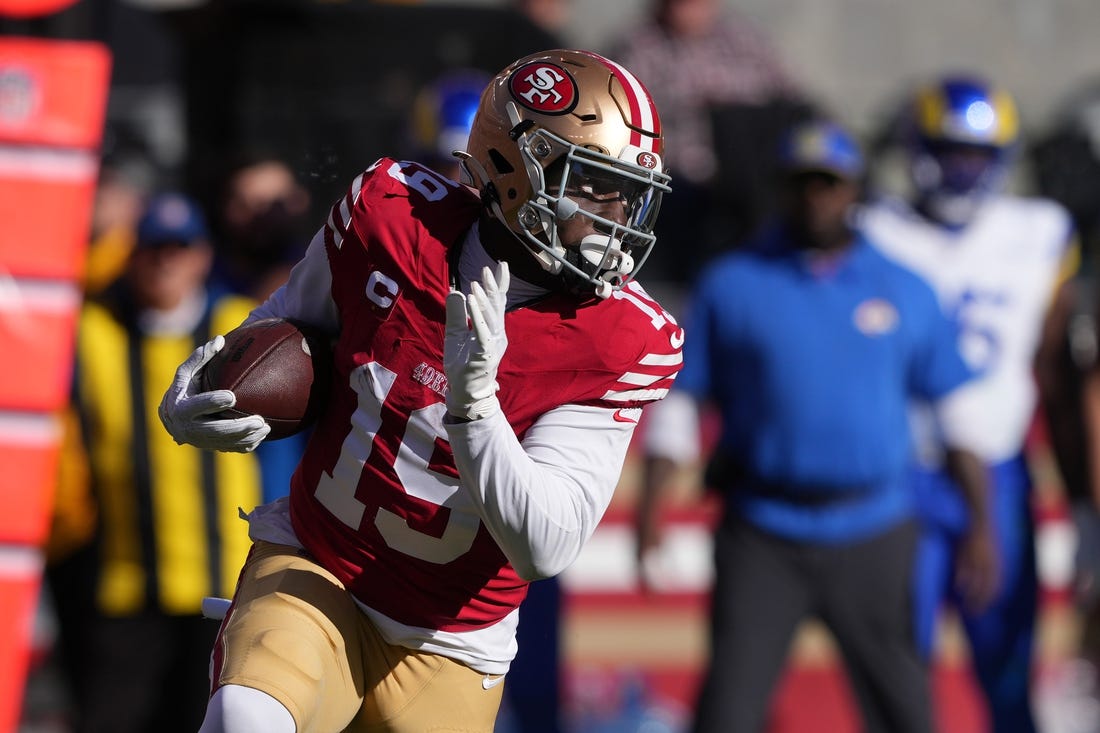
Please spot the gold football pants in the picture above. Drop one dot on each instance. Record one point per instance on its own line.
(296, 634)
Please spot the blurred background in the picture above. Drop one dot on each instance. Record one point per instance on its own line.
(331, 82)
(329, 86)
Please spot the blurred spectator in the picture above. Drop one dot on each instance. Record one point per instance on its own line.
(724, 96)
(810, 343)
(999, 264)
(552, 16)
(263, 225)
(126, 178)
(135, 647)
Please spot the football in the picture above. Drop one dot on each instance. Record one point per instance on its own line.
(278, 369)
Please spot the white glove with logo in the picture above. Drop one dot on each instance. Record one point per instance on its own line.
(472, 351)
(184, 410)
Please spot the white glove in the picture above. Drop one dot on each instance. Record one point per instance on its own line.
(472, 352)
(184, 409)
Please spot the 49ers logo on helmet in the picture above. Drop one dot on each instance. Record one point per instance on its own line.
(544, 87)
(647, 160)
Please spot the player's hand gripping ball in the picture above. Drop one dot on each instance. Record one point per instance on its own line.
(278, 369)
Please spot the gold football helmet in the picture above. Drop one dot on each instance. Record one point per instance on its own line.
(555, 128)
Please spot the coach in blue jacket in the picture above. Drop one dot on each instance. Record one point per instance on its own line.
(809, 344)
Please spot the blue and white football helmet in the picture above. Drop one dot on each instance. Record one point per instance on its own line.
(963, 134)
(442, 116)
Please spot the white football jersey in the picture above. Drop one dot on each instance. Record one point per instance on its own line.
(997, 277)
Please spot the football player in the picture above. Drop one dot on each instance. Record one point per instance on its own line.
(493, 352)
(999, 264)
(442, 116)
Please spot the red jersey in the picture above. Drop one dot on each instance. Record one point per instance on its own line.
(377, 498)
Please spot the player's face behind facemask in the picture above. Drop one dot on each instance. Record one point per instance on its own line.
(599, 213)
(963, 136)
(565, 149)
(953, 180)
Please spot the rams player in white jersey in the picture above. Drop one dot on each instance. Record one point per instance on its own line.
(1000, 264)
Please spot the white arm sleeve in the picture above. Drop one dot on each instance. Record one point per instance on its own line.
(541, 500)
(672, 428)
(307, 293)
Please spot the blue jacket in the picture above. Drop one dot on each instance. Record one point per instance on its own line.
(812, 369)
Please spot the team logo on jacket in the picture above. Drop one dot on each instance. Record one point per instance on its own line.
(875, 317)
(544, 87)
